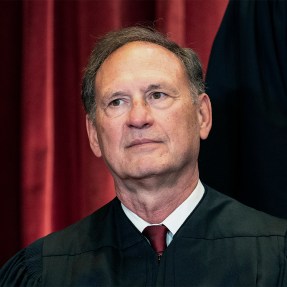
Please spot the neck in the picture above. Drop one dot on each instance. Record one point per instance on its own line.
(155, 198)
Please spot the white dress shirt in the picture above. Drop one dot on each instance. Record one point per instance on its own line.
(174, 221)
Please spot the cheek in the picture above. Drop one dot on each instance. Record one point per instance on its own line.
(110, 138)
(103, 135)
(185, 127)
(184, 119)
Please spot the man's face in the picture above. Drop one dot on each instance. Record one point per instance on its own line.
(146, 122)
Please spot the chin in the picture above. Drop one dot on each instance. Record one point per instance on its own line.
(148, 172)
(141, 174)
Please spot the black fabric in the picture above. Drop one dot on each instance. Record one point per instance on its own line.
(222, 243)
(246, 153)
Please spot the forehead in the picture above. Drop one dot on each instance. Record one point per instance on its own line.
(144, 49)
(141, 58)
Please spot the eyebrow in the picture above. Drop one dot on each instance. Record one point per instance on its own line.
(108, 95)
(145, 90)
(152, 87)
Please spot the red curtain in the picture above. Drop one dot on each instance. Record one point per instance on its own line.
(49, 176)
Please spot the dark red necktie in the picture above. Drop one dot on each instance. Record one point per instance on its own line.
(156, 234)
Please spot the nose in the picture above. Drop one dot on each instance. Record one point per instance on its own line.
(140, 115)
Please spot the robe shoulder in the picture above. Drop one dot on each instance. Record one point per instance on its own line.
(88, 234)
(219, 216)
(26, 267)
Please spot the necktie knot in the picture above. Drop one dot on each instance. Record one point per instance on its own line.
(156, 234)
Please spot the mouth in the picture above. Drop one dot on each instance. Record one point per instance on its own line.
(141, 142)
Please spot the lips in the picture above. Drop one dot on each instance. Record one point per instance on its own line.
(139, 142)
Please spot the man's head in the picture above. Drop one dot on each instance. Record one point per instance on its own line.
(147, 122)
(114, 40)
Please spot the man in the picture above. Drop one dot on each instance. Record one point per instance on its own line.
(146, 114)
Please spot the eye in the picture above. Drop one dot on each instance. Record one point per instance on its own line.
(116, 102)
(160, 100)
(117, 106)
(158, 95)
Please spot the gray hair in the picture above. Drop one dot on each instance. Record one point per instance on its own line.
(116, 39)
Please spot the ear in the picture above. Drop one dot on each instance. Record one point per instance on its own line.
(204, 115)
(93, 137)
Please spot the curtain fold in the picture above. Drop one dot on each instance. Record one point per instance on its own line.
(172, 19)
(10, 77)
(60, 180)
(37, 121)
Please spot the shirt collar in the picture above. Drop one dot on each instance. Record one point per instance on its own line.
(174, 221)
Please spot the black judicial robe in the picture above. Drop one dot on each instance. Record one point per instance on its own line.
(222, 243)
